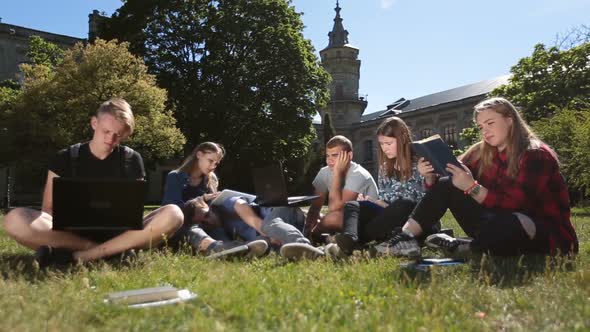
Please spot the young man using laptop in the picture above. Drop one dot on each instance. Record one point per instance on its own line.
(101, 158)
(342, 180)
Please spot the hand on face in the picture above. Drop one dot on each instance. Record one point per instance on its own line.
(462, 178)
(342, 162)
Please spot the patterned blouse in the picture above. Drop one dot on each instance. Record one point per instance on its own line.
(392, 189)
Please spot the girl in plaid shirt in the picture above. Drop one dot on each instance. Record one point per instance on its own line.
(509, 197)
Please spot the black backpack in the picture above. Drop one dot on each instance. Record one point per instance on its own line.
(124, 151)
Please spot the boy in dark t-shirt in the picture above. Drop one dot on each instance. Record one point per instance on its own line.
(102, 158)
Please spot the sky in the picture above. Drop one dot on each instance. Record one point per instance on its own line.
(408, 48)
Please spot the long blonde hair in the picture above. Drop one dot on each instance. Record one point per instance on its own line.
(401, 165)
(520, 138)
(189, 162)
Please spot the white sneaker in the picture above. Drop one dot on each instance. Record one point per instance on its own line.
(447, 243)
(257, 248)
(333, 250)
(296, 251)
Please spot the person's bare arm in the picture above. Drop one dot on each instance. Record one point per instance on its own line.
(47, 204)
(338, 196)
(313, 214)
(345, 195)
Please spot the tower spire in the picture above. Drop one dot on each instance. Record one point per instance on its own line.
(338, 36)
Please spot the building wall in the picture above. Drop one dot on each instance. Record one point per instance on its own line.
(14, 44)
(423, 123)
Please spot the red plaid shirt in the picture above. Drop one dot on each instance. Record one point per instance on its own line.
(538, 191)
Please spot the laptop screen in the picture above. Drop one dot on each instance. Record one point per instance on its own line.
(98, 204)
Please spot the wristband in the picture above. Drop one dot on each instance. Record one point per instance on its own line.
(468, 190)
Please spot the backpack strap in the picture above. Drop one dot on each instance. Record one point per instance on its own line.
(74, 154)
(125, 154)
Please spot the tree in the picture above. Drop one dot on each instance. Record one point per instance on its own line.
(469, 136)
(41, 52)
(552, 88)
(549, 80)
(238, 72)
(56, 103)
(568, 133)
(575, 36)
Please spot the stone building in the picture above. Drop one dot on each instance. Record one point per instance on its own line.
(445, 113)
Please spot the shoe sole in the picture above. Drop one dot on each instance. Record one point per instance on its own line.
(345, 243)
(410, 253)
(229, 253)
(257, 248)
(296, 251)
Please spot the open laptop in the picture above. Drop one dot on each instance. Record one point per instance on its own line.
(98, 205)
(271, 190)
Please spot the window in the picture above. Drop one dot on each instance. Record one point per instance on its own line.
(368, 148)
(450, 135)
(425, 132)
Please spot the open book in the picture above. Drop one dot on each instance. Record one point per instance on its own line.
(148, 297)
(437, 152)
(227, 193)
(426, 263)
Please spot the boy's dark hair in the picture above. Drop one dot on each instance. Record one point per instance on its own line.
(340, 141)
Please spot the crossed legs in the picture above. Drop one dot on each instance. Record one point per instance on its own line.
(32, 229)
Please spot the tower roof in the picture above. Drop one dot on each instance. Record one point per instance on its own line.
(338, 36)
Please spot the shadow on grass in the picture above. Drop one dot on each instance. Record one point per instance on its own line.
(503, 272)
(21, 265)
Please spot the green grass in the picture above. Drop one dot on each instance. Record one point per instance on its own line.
(271, 294)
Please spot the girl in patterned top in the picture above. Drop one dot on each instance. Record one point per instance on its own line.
(400, 189)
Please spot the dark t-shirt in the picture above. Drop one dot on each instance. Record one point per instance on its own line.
(88, 166)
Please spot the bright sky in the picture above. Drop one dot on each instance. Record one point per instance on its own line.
(408, 48)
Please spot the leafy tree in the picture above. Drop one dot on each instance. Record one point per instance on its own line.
(568, 133)
(575, 36)
(41, 52)
(549, 80)
(552, 87)
(238, 72)
(469, 136)
(55, 105)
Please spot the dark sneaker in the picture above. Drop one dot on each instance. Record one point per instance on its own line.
(346, 243)
(401, 244)
(296, 251)
(47, 256)
(128, 256)
(447, 243)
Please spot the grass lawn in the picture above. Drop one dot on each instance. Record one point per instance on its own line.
(324, 295)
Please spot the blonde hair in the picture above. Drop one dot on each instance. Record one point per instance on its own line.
(520, 138)
(401, 165)
(189, 162)
(340, 141)
(120, 110)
